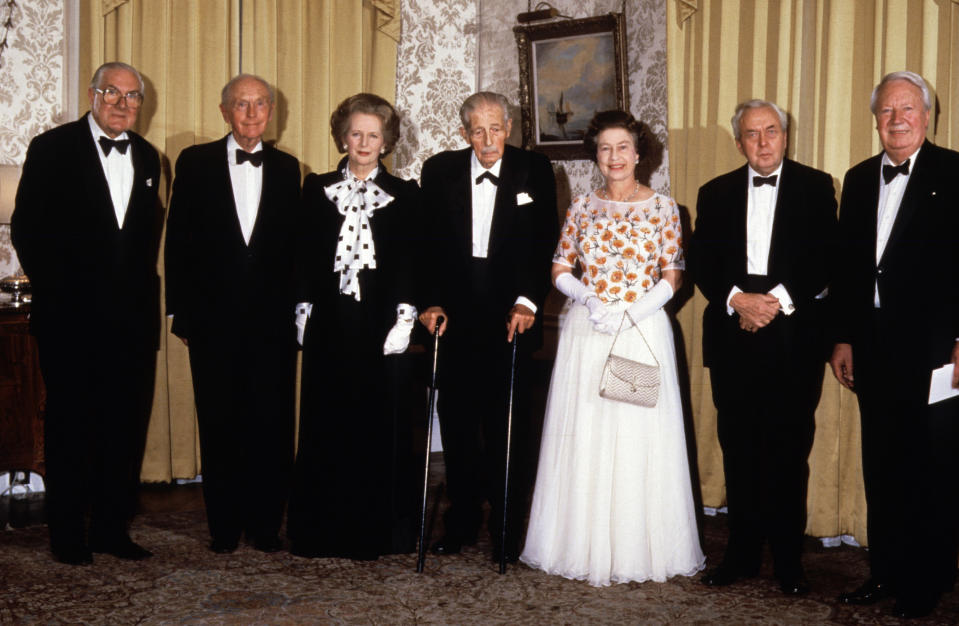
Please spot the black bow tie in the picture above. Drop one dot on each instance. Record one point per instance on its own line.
(759, 181)
(891, 171)
(109, 144)
(493, 178)
(255, 158)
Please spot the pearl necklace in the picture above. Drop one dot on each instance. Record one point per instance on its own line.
(627, 199)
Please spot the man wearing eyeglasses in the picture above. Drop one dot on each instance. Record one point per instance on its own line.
(86, 228)
(230, 291)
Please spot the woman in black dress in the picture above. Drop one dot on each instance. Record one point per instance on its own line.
(352, 496)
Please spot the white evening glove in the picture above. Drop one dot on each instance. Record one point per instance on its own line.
(601, 318)
(605, 321)
(571, 287)
(652, 301)
(398, 339)
(303, 311)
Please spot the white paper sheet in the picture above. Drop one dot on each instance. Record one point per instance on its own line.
(940, 388)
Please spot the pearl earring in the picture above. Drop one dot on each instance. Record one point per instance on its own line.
(382, 150)
(344, 146)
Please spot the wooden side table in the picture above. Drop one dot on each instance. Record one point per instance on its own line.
(22, 395)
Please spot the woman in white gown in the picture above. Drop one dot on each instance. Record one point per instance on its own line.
(613, 500)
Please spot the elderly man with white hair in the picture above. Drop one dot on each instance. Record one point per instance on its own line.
(761, 253)
(897, 320)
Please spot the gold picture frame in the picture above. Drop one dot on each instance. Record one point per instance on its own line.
(569, 70)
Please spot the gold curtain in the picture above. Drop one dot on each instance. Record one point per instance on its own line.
(315, 52)
(819, 60)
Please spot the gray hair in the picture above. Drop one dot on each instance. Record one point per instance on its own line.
(742, 107)
(910, 77)
(111, 66)
(227, 91)
(483, 97)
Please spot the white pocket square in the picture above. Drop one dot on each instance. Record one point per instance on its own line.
(149, 182)
(523, 198)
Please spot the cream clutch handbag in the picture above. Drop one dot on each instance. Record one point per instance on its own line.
(625, 380)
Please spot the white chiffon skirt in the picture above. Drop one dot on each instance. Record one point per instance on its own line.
(613, 501)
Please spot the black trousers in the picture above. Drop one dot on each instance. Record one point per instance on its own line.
(472, 406)
(244, 389)
(910, 459)
(766, 388)
(99, 396)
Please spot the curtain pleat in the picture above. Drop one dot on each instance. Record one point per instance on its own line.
(819, 60)
(315, 52)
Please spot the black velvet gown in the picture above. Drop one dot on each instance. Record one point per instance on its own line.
(354, 489)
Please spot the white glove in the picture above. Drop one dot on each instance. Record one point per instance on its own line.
(652, 301)
(571, 287)
(398, 339)
(303, 311)
(604, 321)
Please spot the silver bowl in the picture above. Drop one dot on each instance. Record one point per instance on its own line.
(16, 286)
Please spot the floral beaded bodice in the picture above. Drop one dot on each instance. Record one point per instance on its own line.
(622, 248)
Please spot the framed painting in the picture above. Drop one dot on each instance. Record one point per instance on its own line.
(569, 70)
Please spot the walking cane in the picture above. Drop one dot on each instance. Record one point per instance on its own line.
(509, 434)
(421, 558)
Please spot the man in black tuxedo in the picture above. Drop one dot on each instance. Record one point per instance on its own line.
(897, 319)
(491, 210)
(230, 289)
(761, 253)
(87, 229)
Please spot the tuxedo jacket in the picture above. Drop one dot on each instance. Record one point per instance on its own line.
(88, 274)
(918, 273)
(396, 238)
(217, 285)
(801, 251)
(523, 233)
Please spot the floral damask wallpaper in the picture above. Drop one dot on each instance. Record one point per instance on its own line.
(451, 48)
(435, 72)
(646, 41)
(31, 90)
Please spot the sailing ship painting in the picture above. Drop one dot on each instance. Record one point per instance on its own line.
(574, 78)
(561, 114)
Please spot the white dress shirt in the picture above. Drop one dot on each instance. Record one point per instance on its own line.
(890, 197)
(118, 169)
(247, 182)
(760, 215)
(484, 201)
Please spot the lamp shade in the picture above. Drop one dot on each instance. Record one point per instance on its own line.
(9, 179)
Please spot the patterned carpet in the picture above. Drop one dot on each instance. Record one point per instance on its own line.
(185, 583)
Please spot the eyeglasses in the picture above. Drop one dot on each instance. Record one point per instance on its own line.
(258, 105)
(112, 96)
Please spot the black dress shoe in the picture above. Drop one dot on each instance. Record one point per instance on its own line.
(122, 548)
(871, 592)
(724, 575)
(268, 544)
(797, 586)
(74, 556)
(446, 546)
(908, 608)
(223, 546)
